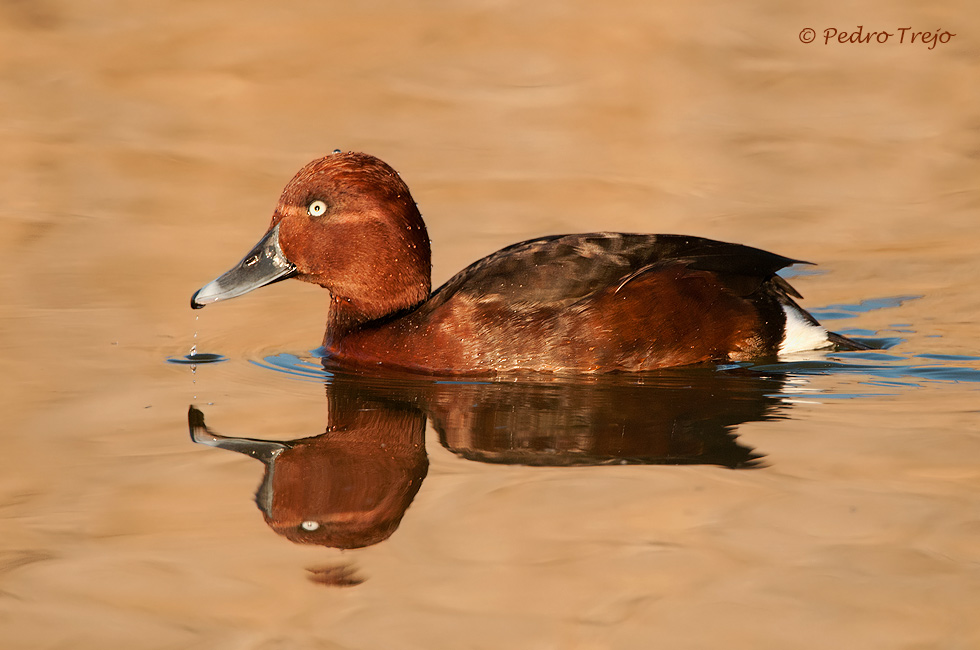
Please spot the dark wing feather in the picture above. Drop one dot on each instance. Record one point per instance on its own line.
(560, 270)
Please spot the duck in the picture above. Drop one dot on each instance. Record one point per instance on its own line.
(592, 303)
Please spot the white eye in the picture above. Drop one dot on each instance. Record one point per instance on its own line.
(316, 208)
(309, 525)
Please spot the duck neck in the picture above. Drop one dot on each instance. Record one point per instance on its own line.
(346, 316)
(342, 319)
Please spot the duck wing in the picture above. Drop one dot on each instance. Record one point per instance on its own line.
(560, 270)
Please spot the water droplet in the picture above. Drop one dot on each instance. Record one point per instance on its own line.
(195, 358)
(336, 151)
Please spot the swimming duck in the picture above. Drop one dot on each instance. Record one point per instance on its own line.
(589, 303)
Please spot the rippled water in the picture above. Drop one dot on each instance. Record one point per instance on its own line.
(830, 500)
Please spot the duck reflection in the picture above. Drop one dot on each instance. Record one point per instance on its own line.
(673, 418)
(346, 488)
(350, 486)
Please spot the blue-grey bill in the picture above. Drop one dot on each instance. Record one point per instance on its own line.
(265, 450)
(263, 265)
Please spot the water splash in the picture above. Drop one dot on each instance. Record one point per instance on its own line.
(195, 358)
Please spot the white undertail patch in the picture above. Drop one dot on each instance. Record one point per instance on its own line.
(800, 335)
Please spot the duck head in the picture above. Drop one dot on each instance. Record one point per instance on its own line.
(348, 223)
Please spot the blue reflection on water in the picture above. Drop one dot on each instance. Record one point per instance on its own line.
(295, 366)
(836, 312)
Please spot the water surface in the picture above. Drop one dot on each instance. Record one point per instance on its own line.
(826, 501)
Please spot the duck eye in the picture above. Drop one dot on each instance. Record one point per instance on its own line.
(316, 208)
(309, 525)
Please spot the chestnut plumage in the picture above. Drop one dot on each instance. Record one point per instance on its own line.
(597, 302)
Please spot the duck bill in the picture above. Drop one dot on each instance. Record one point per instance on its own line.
(266, 451)
(263, 265)
(263, 450)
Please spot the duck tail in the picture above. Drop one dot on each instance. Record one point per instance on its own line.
(844, 344)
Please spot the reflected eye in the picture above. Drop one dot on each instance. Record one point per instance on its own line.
(316, 208)
(309, 525)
